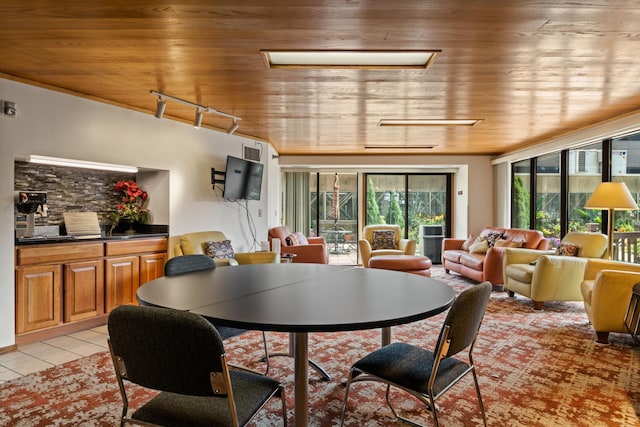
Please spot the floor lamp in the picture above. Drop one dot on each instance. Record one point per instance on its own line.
(611, 196)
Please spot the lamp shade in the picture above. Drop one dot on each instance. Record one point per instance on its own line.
(611, 195)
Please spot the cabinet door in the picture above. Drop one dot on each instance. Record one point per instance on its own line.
(38, 297)
(122, 280)
(151, 267)
(83, 290)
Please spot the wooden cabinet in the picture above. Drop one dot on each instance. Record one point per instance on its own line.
(69, 283)
(38, 291)
(122, 280)
(83, 290)
(131, 263)
(152, 266)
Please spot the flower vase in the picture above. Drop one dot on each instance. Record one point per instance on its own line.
(126, 225)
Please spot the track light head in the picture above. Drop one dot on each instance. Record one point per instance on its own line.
(234, 127)
(198, 121)
(160, 106)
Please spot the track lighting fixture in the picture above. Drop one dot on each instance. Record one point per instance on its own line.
(234, 127)
(200, 110)
(198, 121)
(160, 107)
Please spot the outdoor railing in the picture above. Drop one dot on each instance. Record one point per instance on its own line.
(625, 246)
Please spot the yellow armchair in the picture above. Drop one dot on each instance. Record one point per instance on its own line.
(365, 245)
(606, 291)
(551, 277)
(194, 243)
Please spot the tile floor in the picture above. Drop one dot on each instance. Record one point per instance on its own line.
(41, 355)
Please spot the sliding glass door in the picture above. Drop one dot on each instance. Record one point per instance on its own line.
(418, 203)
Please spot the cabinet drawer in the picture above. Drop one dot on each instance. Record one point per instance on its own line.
(44, 254)
(136, 246)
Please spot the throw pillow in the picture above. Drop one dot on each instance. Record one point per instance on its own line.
(292, 240)
(492, 237)
(467, 243)
(219, 250)
(567, 250)
(383, 239)
(302, 239)
(479, 247)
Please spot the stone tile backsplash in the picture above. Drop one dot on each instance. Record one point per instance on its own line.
(70, 189)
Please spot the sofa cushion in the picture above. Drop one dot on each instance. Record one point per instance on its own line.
(453, 255)
(383, 239)
(473, 261)
(219, 250)
(523, 273)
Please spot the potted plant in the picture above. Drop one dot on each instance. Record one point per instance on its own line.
(132, 208)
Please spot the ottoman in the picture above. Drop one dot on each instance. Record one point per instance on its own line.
(415, 264)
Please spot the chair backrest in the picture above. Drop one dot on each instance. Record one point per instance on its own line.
(464, 318)
(164, 349)
(188, 263)
(590, 245)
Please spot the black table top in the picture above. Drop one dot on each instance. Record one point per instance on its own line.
(301, 297)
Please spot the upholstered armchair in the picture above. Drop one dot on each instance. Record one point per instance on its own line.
(550, 277)
(606, 291)
(197, 242)
(306, 249)
(383, 239)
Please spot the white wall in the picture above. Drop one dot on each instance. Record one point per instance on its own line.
(60, 125)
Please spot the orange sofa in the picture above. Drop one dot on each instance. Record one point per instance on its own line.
(314, 250)
(486, 265)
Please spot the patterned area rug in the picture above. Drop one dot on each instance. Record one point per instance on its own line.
(536, 368)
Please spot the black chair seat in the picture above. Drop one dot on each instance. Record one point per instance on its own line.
(410, 367)
(171, 409)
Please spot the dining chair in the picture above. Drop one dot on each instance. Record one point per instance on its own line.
(181, 355)
(423, 373)
(197, 262)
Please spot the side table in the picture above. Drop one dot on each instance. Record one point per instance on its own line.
(632, 316)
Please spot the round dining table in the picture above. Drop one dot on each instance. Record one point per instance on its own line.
(302, 298)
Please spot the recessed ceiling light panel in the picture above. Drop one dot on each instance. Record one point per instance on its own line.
(349, 58)
(429, 122)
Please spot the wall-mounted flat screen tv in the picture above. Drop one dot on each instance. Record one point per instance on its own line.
(243, 179)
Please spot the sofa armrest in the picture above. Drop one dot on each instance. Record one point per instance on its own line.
(316, 240)
(449, 243)
(558, 278)
(316, 254)
(595, 265)
(364, 247)
(408, 246)
(610, 298)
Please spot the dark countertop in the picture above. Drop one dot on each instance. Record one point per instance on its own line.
(65, 239)
(143, 231)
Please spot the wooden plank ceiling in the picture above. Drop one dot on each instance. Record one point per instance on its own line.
(530, 69)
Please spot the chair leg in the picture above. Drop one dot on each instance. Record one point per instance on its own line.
(602, 337)
(537, 305)
(266, 351)
(405, 420)
(482, 411)
(511, 294)
(346, 397)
